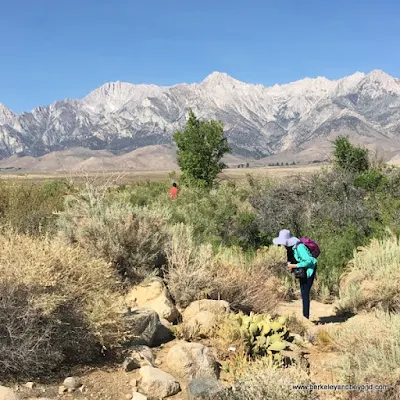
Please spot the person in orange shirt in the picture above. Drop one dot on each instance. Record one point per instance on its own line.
(174, 191)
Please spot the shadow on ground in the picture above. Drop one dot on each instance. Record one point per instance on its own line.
(331, 319)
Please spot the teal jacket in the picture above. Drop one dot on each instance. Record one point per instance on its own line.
(304, 258)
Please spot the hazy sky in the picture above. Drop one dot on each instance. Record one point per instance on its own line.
(54, 49)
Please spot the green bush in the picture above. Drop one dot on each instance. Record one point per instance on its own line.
(201, 146)
(371, 180)
(222, 216)
(348, 157)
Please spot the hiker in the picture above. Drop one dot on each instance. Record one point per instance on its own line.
(174, 191)
(301, 257)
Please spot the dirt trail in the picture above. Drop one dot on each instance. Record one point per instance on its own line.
(321, 361)
(320, 313)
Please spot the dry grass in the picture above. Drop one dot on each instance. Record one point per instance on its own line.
(370, 348)
(259, 382)
(189, 273)
(57, 303)
(226, 335)
(29, 207)
(132, 239)
(250, 285)
(161, 175)
(324, 340)
(247, 284)
(373, 278)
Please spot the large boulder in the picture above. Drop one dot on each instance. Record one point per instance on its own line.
(201, 324)
(154, 295)
(213, 306)
(163, 333)
(157, 383)
(7, 394)
(143, 324)
(140, 356)
(72, 383)
(192, 360)
(204, 388)
(138, 396)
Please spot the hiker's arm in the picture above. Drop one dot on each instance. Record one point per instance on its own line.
(307, 260)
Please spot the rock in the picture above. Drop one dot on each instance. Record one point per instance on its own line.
(143, 323)
(201, 324)
(138, 396)
(140, 357)
(30, 385)
(214, 306)
(62, 389)
(7, 394)
(128, 397)
(83, 389)
(154, 295)
(192, 360)
(72, 383)
(163, 333)
(157, 383)
(204, 388)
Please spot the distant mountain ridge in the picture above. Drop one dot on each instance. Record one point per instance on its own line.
(295, 118)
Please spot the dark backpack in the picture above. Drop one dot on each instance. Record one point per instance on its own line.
(312, 246)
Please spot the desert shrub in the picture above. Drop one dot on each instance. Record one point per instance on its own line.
(131, 238)
(26, 338)
(145, 194)
(373, 278)
(370, 348)
(57, 304)
(189, 268)
(327, 207)
(30, 207)
(221, 216)
(249, 284)
(258, 382)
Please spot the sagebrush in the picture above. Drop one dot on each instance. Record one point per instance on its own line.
(131, 238)
(370, 348)
(373, 277)
(57, 304)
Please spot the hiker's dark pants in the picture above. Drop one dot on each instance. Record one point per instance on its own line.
(305, 288)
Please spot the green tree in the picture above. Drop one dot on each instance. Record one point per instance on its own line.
(201, 146)
(348, 157)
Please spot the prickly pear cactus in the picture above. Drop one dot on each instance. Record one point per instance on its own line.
(262, 335)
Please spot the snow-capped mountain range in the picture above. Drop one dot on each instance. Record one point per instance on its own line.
(259, 121)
